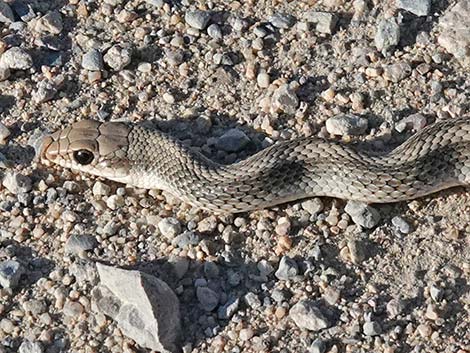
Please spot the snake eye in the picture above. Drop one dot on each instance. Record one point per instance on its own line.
(84, 157)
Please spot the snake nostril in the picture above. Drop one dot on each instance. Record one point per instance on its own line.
(84, 157)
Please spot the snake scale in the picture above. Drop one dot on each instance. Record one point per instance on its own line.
(435, 158)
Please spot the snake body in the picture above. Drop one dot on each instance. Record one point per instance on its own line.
(436, 158)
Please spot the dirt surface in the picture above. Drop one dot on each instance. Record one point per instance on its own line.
(302, 277)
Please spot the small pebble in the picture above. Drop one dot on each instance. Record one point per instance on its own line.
(73, 309)
(397, 72)
(285, 99)
(282, 20)
(417, 7)
(395, 307)
(307, 315)
(30, 347)
(362, 214)
(207, 298)
(92, 60)
(101, 189)
(17, 183)
(252, 300)
(372, 328)
(214, 31)
(10, 273)
(50, 23)
(6, 14)
(346, 125)
(287, 269)
(313, 206)
(78, 243)
(233, 140)
(387, 35)
(169, 227)
(115, 201)
(246, 334)
(117, 57)
(197, 19)
(263, 80)
(324, 22)
(401, 224)
(16, 58)
(168, 98)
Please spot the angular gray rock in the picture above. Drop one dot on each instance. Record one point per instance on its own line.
(4, 73)
(358, 250)
(454, 31)
(397, 72)
(169, 227)
(308, 316)
(226, 311)
(45, 92)
(324, 22)
(17, 183)
(144, 307)
(417, 7)
(372, 328)
(287, 269)
(207, 298)
(197, 19)
(77, 243)
(214, 31)
(387, 35)
(285, 99)
(233, 140)
(10, 273)
(401, 225)
(50, 23)
(346, 125)
(16, 58)
(6, 14)
(92, 60)
(4, 132)
(362, 214)
(118, 57)
(30, 347)
(282, 20)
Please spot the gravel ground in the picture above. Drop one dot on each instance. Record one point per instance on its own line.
(230, 78)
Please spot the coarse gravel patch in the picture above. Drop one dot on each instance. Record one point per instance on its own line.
(229, 78)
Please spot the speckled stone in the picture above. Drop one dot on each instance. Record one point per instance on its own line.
(92, 60)
(417, 7)
(307, 315)
(16, 58)
(10, 273)
(6, 14)
(387, 35)
(197, 19)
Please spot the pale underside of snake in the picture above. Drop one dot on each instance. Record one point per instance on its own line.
(435, 158)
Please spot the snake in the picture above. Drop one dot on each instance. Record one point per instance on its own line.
(436, 157)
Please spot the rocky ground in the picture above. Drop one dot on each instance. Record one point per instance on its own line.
(88, 265)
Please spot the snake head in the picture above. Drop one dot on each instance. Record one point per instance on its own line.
(89, 146)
